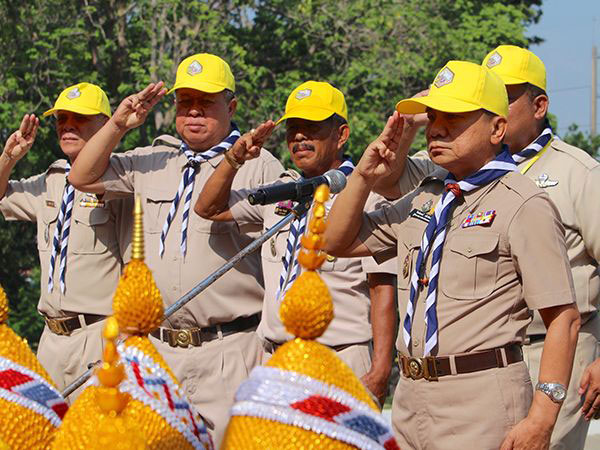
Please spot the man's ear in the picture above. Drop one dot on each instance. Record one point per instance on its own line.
(499, 126)
(343, 135)
(540, 106)
(232, 107)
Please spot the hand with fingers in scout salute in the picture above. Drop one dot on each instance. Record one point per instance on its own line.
(248, 146)
(133, 110)
(19, 142)
(379, 157)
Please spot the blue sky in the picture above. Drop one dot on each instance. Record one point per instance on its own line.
(569, 28)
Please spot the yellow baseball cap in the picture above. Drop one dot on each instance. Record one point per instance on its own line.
(204, 72)
(315, 100)
(82, 98)
(461, 86)
(516, 65)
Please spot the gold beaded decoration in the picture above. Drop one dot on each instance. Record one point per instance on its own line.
(306, 312)
(20, 427)
(137, 304)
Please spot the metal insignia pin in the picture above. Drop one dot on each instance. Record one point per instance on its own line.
(273, 248)
(406, 266)
(427, 206)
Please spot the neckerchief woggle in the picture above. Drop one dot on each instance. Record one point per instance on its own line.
(433, 241)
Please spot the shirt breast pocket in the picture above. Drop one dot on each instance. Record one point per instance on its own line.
(469, 266)
(408, 250)
(91, 231)
(156, 209)
(45, 228)
(273, 250)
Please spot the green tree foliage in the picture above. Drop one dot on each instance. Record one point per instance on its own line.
(584, 141)
(375, 51)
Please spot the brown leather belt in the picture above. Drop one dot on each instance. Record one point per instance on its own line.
(196, 336)
(65, 326)
(432, 367)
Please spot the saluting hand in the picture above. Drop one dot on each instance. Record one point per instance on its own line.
(248, 146)
(132, 111)
(379, 156)
(590, 386)
(19, 143)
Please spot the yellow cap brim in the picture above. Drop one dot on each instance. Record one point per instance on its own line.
(313, 113)
(509, 81)
(202, 86)
(437, 102)
(76, 109)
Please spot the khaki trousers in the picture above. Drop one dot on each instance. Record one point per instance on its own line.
(211, 373)
(65, 358)
(571, 429)
(467, 411)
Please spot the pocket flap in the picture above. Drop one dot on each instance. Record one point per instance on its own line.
(473, 243)
(158, 195)
(91, 216)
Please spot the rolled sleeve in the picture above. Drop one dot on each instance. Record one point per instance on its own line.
(537, 242)
(378, 234)
(22, 198)
(118, 180)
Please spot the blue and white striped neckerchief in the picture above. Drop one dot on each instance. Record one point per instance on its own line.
(186, 186)
(291, 267)
(61, 234)
(433, 241)
(535, 147)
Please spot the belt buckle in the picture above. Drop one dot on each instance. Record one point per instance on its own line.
(415, 368)
(183, 338)
(57, 326)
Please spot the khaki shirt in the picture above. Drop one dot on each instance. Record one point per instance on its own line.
(344, 277)
(98, 241)
(154, 173)
(571, 178)
(490, 276)
(369, 265)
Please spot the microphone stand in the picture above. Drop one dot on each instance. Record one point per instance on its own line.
(297, 211)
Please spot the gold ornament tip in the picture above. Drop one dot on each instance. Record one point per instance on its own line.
(137, 238)
(111, 329)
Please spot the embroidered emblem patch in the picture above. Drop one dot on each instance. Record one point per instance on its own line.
(494, 60)
(444, 77)
(194, 68)
(427, 207)
(50, 203)
(544, 181)
(284, 208)
(303, 94)
(74, 93)
(91, 201)
(482, 218)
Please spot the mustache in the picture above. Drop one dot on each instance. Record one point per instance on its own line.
(298, 147)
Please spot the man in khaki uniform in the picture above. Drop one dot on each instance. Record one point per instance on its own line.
(317, 130)
(479, 246)
(81, 238)
(571, 178)
(211, 343)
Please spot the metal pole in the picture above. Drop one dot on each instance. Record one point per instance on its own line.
(300, 209)
(594, 95)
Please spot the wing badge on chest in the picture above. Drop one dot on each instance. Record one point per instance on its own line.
(544, 181)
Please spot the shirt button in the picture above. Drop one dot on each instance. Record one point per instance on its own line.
(416, 343)
(469, 250)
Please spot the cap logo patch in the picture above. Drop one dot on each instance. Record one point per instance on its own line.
(74, 93)
(303, 93)
(444, 77)
(194, 68)
(494, 60)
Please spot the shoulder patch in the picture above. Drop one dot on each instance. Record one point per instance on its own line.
(166, 139)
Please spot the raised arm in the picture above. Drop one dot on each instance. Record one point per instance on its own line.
(92, 161)
(345, 217)
(389, 186)
(213, 201)
(16, 147)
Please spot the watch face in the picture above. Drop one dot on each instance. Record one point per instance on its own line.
(559, 393)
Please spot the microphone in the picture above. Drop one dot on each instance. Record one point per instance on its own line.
(298, 190)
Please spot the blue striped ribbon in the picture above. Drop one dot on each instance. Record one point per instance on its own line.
(433, 240)
(535, 147)
(61, 235)
(186, 186)
(291, 267)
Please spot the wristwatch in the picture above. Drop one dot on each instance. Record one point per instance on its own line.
(556, 391)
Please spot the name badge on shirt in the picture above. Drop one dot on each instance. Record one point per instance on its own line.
(91, 201)
(481, 218)
(283, 208)
(50, 203)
